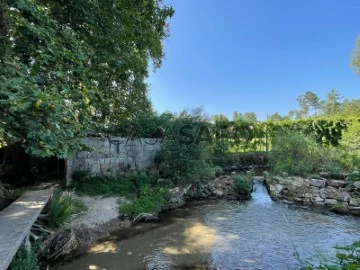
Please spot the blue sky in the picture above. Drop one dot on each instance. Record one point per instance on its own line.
(256, 55)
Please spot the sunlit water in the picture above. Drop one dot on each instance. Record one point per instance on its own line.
(258, 234)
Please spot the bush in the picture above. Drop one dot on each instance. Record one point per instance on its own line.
(224, 159)
(296, 154)
(25, 260)
(354, 177)
(149, 201)
(243, 184)
(62, 207)
(218, 171)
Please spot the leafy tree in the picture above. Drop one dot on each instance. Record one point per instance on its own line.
(250, 117)
(186, 147)
(275, 117)
(350, 108)
(293, 114)
(236, 116)
(295, 153)
(220, 118)
(68, 68)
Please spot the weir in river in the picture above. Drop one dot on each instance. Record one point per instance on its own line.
(257, 234)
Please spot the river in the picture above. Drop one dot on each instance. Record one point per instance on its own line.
(257, 234)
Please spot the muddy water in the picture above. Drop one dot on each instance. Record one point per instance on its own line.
(258, 234)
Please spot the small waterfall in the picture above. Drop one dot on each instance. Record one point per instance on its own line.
(260, 194)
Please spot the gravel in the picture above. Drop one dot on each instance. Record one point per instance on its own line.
(100, 210)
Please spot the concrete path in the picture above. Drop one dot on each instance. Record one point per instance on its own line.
(16, 221)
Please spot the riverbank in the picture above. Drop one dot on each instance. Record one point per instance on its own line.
(103, 216)
(220, 234)
(102, 222)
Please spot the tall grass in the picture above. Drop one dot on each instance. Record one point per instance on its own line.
(62, 207)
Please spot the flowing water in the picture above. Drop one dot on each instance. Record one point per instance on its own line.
(258, 234)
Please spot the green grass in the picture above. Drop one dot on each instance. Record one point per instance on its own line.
(149, 201)
(145, 194)
(62, 207)
(25, 260)
(110, 186)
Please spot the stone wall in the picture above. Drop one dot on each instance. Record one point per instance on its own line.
(338, 195)
(115, 156)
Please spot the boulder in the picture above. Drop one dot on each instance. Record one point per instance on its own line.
(279, 188)
(219, 193)
(320, 183)
(355, 202)
(336, 183)
(315, 192)
(317, 200)
(176, 195)
(334, 193)
(222, 186)
(357, 184)
(331, 202)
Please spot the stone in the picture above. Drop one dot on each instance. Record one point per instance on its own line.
(297, 199)
(357, 184)
(354, 202)
(333, 193)
(320, 183)
(177, 194)
(336, 183)
(317, 200)
(222, 186)
(218, 193)
(330, 202)
(279, 188)
(104, 168)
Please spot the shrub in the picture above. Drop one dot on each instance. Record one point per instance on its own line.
(354, 177)
(243, 184)
(183, 157)
(81, 175)
(110, 185)
(296, 153)
(218, 171)
(25, 259)
(62, 207)
(149, 201)
(224, 159)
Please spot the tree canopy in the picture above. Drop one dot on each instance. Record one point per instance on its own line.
(71, 67)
